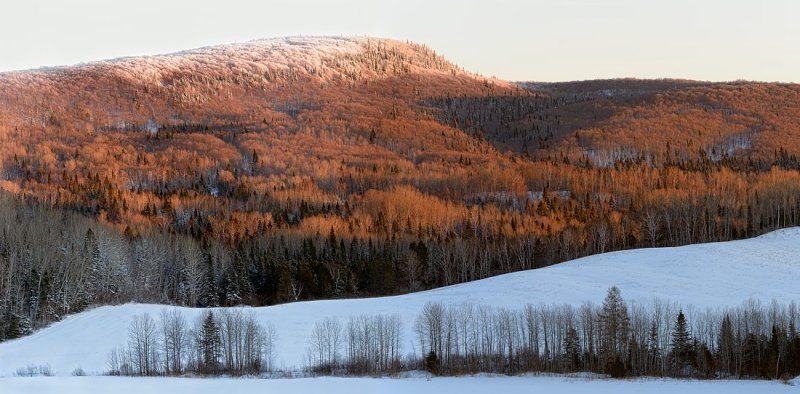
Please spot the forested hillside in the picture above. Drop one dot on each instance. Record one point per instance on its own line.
(307, 168)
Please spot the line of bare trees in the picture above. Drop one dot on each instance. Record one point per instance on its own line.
(366, 345)
(615, 338)
(228, 342)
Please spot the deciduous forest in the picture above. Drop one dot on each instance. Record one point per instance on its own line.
(272, 172)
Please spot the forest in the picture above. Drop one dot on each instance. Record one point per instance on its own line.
(614, 338)
(242, 175)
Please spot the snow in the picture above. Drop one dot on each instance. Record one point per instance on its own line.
(254, 56)
(476, 385)
(714, 275)
(327, 56)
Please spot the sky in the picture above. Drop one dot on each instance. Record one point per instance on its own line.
(516, 40)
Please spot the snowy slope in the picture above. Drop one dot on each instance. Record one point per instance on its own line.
(705, 276)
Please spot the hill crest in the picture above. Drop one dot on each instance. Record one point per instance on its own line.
(326, 57)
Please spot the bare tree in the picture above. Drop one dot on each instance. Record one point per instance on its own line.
(143, 343)
(296, 289)
(373, 344)
(326, 340)
(430, 328)
(651, 221)
(174, 339)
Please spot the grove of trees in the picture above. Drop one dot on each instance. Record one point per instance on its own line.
(752, 341)
(226, 341)
(615, 338)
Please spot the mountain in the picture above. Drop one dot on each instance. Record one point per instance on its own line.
(707, 277)
(215, 84)
(310, 168)
(322, 117)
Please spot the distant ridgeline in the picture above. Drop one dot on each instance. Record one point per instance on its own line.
(308, 168)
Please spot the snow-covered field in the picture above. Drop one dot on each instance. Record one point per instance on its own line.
(706, 276)
(473, 385)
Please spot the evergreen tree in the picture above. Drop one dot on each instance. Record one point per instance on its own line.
(653, 350)
(432, 363)
(614, 325)
(94, 290)
(231, 290)
(793, 351)
(682, 349)
(773, 365)
(751, 356)
(331, 245)
(725, 346)
(16, 326)
(572, 350)
(210, 344)
(704, 359)
(209, 296)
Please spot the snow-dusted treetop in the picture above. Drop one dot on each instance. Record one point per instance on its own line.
(328, 58)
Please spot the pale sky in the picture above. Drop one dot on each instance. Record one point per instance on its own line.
(512, 39)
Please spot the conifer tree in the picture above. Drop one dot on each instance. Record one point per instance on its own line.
(614, 325)
(210, 344)
(682, 349)
(572, 350)
(725, 346)
(653, 348)
(91, 253)
(432, 363)
(208, 290)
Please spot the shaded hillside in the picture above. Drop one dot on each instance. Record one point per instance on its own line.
(606, 122)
